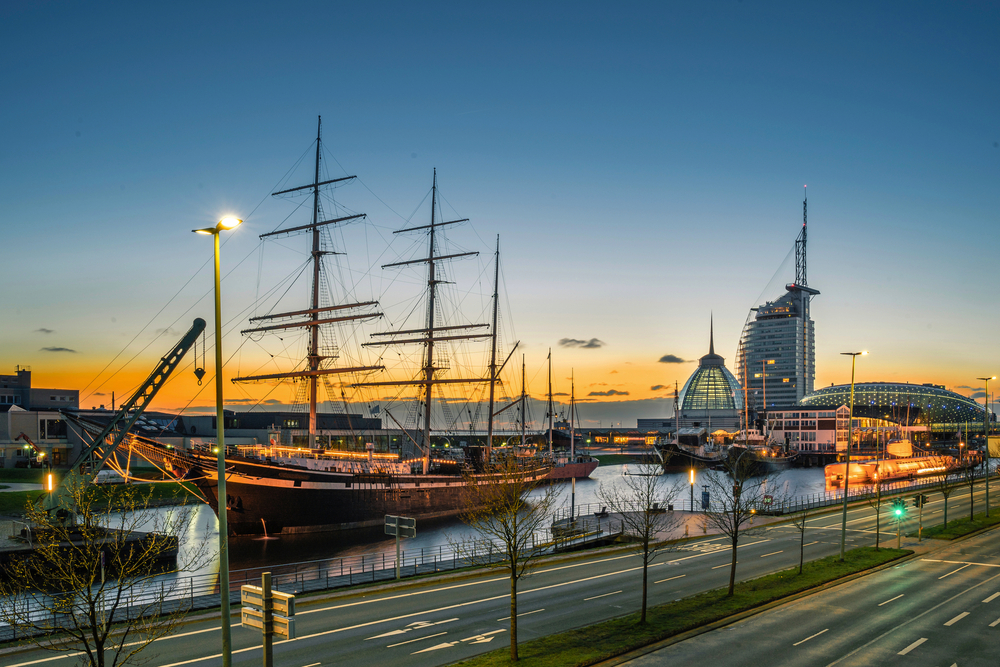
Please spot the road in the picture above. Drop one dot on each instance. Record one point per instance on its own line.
(942, 609)
(441, 621)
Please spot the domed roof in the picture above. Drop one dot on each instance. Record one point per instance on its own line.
(899, 402)
(711, 386)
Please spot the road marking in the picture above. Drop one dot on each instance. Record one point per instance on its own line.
(895, 598)
(954, 571)
(418, 639)
(809, 544)
(315, 664)
(810, 637)
(992, 597)
(906, 622)
(772, 554)
(995, 623)
(958, 562)
(501, 620)
(709, 553)
(679, 576)
(956, 619)
(912, 646)
(724, 565)
(601, 596)
(418, 625)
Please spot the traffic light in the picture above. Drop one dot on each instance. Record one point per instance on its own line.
(898, 508)
(917, 500)
(923, 499)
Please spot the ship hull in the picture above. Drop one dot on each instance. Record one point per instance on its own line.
(269, 498)
(577, 470)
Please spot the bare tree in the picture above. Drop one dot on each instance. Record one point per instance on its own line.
(946, 483)
(737, 493)
(641, 499)
(500, 506)
(97, 581)
(968, 477)
(873, 494)
(800, 521)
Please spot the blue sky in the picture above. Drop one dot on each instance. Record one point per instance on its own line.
(642, 162)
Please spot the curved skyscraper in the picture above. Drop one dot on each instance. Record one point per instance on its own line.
(777, 352)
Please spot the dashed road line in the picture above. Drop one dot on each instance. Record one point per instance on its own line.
(601, 596)
(956, 619)
(410, 641)
(912, 646)
(810, 637)
(992, 597)
(895, 598)
(670, 579)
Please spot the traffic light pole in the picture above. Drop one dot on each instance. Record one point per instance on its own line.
(920, 526)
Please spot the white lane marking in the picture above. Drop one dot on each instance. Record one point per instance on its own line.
(601, 596)
(527, 613)
(485, 634)
(417, 625)
(810, 637)
(314, 664)
(724, 565)
(809, 544)
(772, 554)
(709, 553)
(905, 623)
(995, 623)
(417, 639)
(895, 598)
(958, 562)
(992, 597)
(670, 579)
(912, 646)
(954, 571)
(956, 619)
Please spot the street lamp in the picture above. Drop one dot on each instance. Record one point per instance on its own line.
(692, 489)
(228, 222)
(850, 437)
(986, 435)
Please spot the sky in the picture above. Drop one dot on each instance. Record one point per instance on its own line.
(642, 163)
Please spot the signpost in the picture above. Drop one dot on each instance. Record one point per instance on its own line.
(271, 611)
(400, 526)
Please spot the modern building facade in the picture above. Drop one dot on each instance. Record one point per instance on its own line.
(777, 352)
(17, 390)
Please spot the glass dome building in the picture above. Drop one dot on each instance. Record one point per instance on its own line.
(903, 403)
(711, 396)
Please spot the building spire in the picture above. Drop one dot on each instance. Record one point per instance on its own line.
(711, 333)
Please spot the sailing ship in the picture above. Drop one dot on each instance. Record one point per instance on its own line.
(277, 489)
(567, 464)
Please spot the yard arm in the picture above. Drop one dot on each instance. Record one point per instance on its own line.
(103, 446)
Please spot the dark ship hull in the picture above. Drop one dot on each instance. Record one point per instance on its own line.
(265, 497)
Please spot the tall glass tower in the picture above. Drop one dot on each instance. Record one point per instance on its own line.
(777, 354)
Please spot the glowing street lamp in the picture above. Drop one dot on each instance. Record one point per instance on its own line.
(692, 489)
(227, 223)
(986, 435)
(850, 437)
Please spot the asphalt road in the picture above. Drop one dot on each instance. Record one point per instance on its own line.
(942, 609)
(441, 621)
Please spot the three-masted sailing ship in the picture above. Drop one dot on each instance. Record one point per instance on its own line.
(277, 489)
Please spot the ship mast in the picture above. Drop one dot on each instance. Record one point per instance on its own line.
(428, 336)
(524, 398)
(493, 351)
(549, 415)
(313, 322)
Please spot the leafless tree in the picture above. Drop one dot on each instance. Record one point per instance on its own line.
(500, 506)
(873, 494)
(737, 493)
(800, 521)
(946, 483)
(641, 498)
(98, 581)
(968, 476)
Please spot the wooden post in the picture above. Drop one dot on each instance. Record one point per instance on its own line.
(268, 633)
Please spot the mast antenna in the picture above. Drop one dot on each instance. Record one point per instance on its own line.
(800, 244)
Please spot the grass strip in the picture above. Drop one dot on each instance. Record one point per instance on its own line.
(592, 644)
(13, 503)
(959, 527)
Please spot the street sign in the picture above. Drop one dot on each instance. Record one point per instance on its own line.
(768, 500)
(400, 526)
(271, 612)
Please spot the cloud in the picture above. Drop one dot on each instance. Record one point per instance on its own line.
(965, 386)
(612, 372)
(591, 344)
(560, 393)
(979, 394)
(58, 349)
(658, 387)
(99, 393)
(44, 330)
(169, 330)
(671, 359)
(609, 392)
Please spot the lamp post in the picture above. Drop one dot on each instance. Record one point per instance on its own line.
(986, 435)
(227, 655)
(850, 437)
(692, 489)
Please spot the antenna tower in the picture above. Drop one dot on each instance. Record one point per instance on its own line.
(800, 246)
